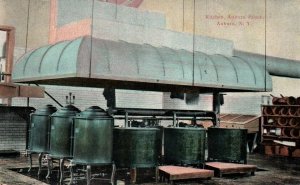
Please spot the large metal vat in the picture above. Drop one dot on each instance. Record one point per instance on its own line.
(39, 129)
(184, 145)
(93, 131)
(227, 144)
(61, 132)
(136, 147)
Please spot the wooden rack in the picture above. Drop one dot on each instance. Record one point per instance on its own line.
(280, 130)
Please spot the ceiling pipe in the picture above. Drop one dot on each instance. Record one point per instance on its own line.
(275, 66)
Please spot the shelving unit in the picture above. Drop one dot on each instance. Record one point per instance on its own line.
(280, 130)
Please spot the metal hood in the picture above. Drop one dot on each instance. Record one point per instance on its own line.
(125, 65)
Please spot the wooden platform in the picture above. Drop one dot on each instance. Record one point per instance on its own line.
(172, 173)
(230, 168)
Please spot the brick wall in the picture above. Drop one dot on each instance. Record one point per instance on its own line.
(12, 132)
(139, 99)
(203, 104)
(242, 103)
(86, 97)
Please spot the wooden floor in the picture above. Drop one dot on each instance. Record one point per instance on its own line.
(221, 168)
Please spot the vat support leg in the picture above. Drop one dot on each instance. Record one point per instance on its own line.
(71, 173)
(30, 162)
(113, 172)
(88, 174)
(40, 163)
(61, 169)
(133, 175)
(49, 161)
(156, 174)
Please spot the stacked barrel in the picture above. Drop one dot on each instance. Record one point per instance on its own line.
(282, 119)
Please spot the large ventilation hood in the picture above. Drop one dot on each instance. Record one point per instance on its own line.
(140, 67)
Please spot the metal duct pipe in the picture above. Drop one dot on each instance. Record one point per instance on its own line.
(275, 66)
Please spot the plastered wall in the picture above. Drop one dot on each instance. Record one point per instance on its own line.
(273, 22)
(15, 13)
(266, 27)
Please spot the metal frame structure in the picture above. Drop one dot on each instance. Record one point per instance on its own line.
(162, 114)
(8, 90)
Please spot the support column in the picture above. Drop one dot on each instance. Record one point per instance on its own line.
(175, 120)
(217, 107)
(126, 120)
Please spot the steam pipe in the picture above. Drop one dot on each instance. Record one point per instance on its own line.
(160, 112)
(164, 118)
(275, 66)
